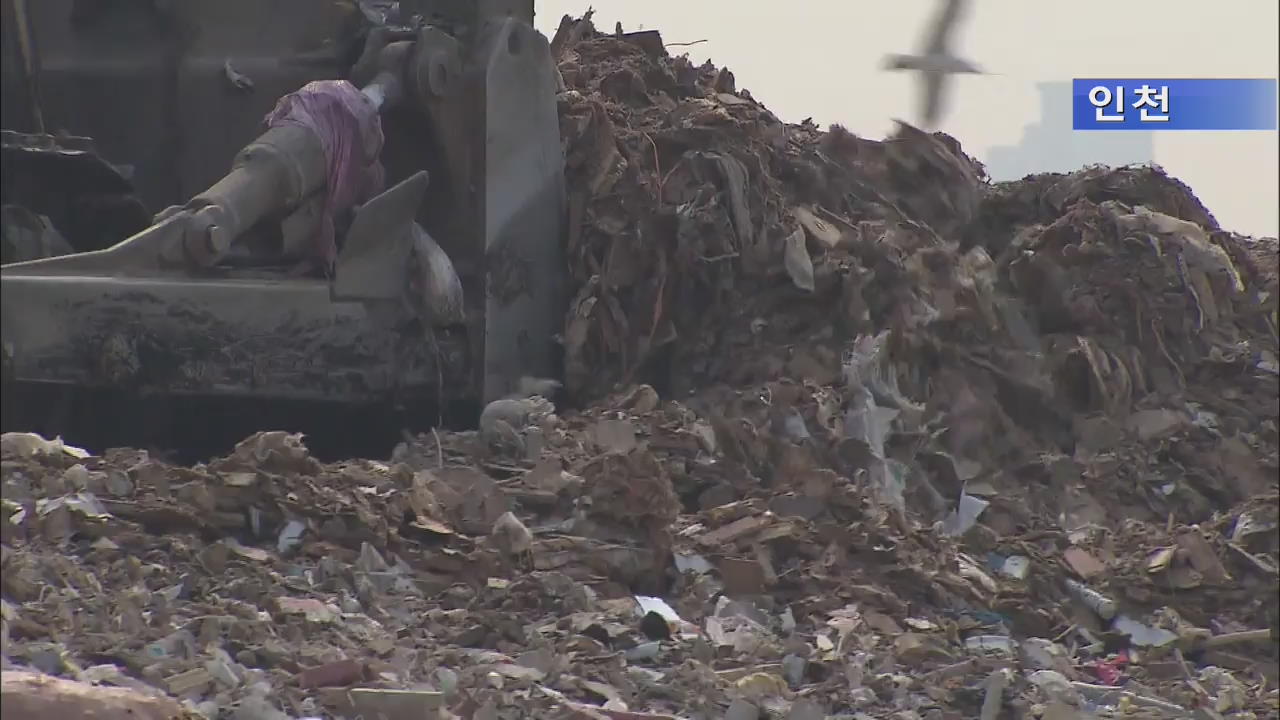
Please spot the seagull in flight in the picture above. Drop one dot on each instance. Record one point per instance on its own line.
(936, 62)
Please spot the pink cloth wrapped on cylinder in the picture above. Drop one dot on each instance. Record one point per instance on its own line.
(349, 128)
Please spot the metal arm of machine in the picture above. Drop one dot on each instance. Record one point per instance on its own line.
(388, 84)
(281, 172)
(271, 175)
(274, 174)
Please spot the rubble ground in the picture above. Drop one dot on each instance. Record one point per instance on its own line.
(865, 436)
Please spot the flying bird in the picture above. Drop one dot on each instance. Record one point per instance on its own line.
(936, 62)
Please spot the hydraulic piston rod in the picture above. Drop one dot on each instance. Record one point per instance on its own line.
(288, 163)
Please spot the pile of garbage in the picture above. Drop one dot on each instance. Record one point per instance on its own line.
(863, 436)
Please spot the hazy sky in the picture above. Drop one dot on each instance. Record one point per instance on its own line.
(820, 59)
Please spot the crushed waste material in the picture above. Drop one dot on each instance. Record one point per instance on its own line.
(862, 435)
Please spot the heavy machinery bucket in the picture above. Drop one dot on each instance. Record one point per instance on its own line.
(117, 318)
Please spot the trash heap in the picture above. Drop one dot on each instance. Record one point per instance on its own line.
(862, 436)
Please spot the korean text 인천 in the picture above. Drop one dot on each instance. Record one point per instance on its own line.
(1152, 103)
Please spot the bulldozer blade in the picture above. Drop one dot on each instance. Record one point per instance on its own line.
(252, 337)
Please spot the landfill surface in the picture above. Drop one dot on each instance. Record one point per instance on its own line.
(864, 436)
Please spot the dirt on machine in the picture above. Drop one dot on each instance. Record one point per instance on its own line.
(353, 215)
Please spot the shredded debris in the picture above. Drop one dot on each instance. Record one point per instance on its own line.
(865, 436)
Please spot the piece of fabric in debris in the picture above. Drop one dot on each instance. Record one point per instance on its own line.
(350, 130)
